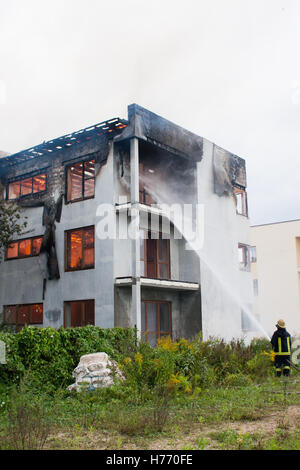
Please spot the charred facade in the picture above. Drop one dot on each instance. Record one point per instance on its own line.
(76, 276)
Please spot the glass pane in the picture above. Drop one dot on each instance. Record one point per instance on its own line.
(75, 249)
(239, 203)
(25, 248)
(89, 169)
(14, 190)
(152, 339)
(39, 183)
(76, 313)
(23, 314)
(10, 314)
(163, 250)
(142, 245)
(75, 180)
(151, 317)
(36, 245)
(89, 188)
(89, 257)
(163, 271)
(37, 314)
(12, 251)
(164, 317)
(90, 312)
(88, 237)
(26, 186)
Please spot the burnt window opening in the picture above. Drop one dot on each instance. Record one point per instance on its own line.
(243, 251)
(20, 315)
(156, 319)
(241, 201)
(81, 181)
(79, 313)
(80, 249)
(253, 258)
(154, 256)
(25, 248)
(24, 187)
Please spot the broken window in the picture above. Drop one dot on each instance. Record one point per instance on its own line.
(80, 250)
(21, 315)
(156, 320)
(253, 254)
(81, 181)
(243, 251)
(79, 313)
(241, 201)
(155, 256)
(24, 248)
(31, 185)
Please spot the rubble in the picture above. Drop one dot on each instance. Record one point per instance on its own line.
(95, 371)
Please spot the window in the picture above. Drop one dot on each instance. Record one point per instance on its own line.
(255, 287)
(156, 320)
(21, 315)
(80, 249)
(249, 321)
(81, 181)
(243, 257)
(31, 185)
(241, 201)
(79, 313)
(155, 256)
(253, 254)
(24, 248)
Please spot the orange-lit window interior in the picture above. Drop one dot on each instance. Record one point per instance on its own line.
(80, 249)
(33, 184)
(21, 315)
(24, 248)
(79, 313)
(81, 181)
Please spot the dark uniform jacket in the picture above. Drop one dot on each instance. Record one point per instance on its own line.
(281, 342)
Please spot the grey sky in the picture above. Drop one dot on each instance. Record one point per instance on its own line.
(228, 70)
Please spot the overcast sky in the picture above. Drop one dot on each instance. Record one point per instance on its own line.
(228, 70)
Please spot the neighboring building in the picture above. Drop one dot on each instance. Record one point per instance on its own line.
(68, 272)
(275, 266)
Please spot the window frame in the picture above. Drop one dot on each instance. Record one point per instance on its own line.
(67, 249)
(23, 240)
(241, 190)
(83, 179)
(156, 261)
(246, 266)
(157, 332)
(83, 312)
(18, 307)
(24, 178)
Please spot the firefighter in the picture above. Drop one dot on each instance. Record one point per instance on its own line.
(281, 344)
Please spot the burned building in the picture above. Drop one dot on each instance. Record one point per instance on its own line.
(101, 246)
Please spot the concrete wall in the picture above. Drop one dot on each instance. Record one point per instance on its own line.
(225, 289)
(277, 271)
(21, 281)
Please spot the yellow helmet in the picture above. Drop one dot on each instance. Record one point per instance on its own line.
(280, 323)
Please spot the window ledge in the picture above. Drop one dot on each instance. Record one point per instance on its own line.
(158, 283)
